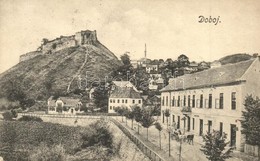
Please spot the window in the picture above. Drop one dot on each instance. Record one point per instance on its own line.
(188, 100)
(210, 100)
(221, 100)
(133, 101)
(221, 128)
(173, 118)
(114, 101)
(110, 100)
(233, 100)
(184, 101)
(123, 101)
(193, 123)
(118, 101)
(139, 101)
(178, 103)
(201, 101)
(110, 107)
(166, 100)
(193, 101)
(173, 101)
(163, 101)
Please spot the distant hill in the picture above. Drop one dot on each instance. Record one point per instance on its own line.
(57, 65)
(230, 59)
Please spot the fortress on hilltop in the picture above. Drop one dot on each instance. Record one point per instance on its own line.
(81, 38)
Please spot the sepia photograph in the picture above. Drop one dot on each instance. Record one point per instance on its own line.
(138, 80)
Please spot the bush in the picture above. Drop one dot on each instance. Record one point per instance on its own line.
(9, 115)
(45, 153)
(30, 118)
(97, 134)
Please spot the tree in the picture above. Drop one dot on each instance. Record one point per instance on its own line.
(147, 120)
(159, 128)
(251, 119)
(120, 111)
(167, 115)
(100, 96)
(215, 146)
(125, 58)
(130, 115)
(183, 61)
(137, 112)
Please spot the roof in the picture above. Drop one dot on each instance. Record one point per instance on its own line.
(68, 101)
(124, 92)
(216, 76)
(124, 84)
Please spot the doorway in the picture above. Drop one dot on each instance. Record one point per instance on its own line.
(209, 126)
(188, 123)
(233, 131)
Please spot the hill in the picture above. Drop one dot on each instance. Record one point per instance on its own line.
(235, 58)
(60, 66)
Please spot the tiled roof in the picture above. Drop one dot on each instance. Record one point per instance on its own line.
(68, 101)
(221, 75)
(124, 92)
(124, 84)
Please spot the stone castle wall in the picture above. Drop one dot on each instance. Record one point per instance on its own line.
(59, 44)
(80, 38)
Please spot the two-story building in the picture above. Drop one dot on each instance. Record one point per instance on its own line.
(212, 99)
(123, 94)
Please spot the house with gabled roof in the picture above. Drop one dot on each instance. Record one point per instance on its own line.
(212, 99)
(123, 94)
(64, 105)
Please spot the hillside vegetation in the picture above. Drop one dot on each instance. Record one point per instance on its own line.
(235, 58)
(47, 74)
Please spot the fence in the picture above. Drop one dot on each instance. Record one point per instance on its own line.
(252, 150)
(60, 115)
(145, 149)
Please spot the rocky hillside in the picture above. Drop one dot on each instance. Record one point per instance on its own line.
(60, 70)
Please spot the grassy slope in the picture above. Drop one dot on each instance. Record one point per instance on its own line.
(234, 58)
(59, 68)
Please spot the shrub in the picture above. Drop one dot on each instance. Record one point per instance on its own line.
(9, 115)
(45, 153)
(30, 118)
(97, 134)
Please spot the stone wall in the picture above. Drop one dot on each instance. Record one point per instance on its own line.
(86, 37)
(59, 44)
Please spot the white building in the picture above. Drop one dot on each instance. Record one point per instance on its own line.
(123, 94)
(212, 99)
(64, 105)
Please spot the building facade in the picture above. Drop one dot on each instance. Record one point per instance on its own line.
(212, 99)
(64, 105)
(123, 94)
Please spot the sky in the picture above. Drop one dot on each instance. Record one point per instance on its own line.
(168, 27)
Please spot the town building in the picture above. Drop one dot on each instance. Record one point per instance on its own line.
(123, 94)
(212, 99)
(64, 105)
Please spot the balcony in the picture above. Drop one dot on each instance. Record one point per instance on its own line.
(186, 109)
